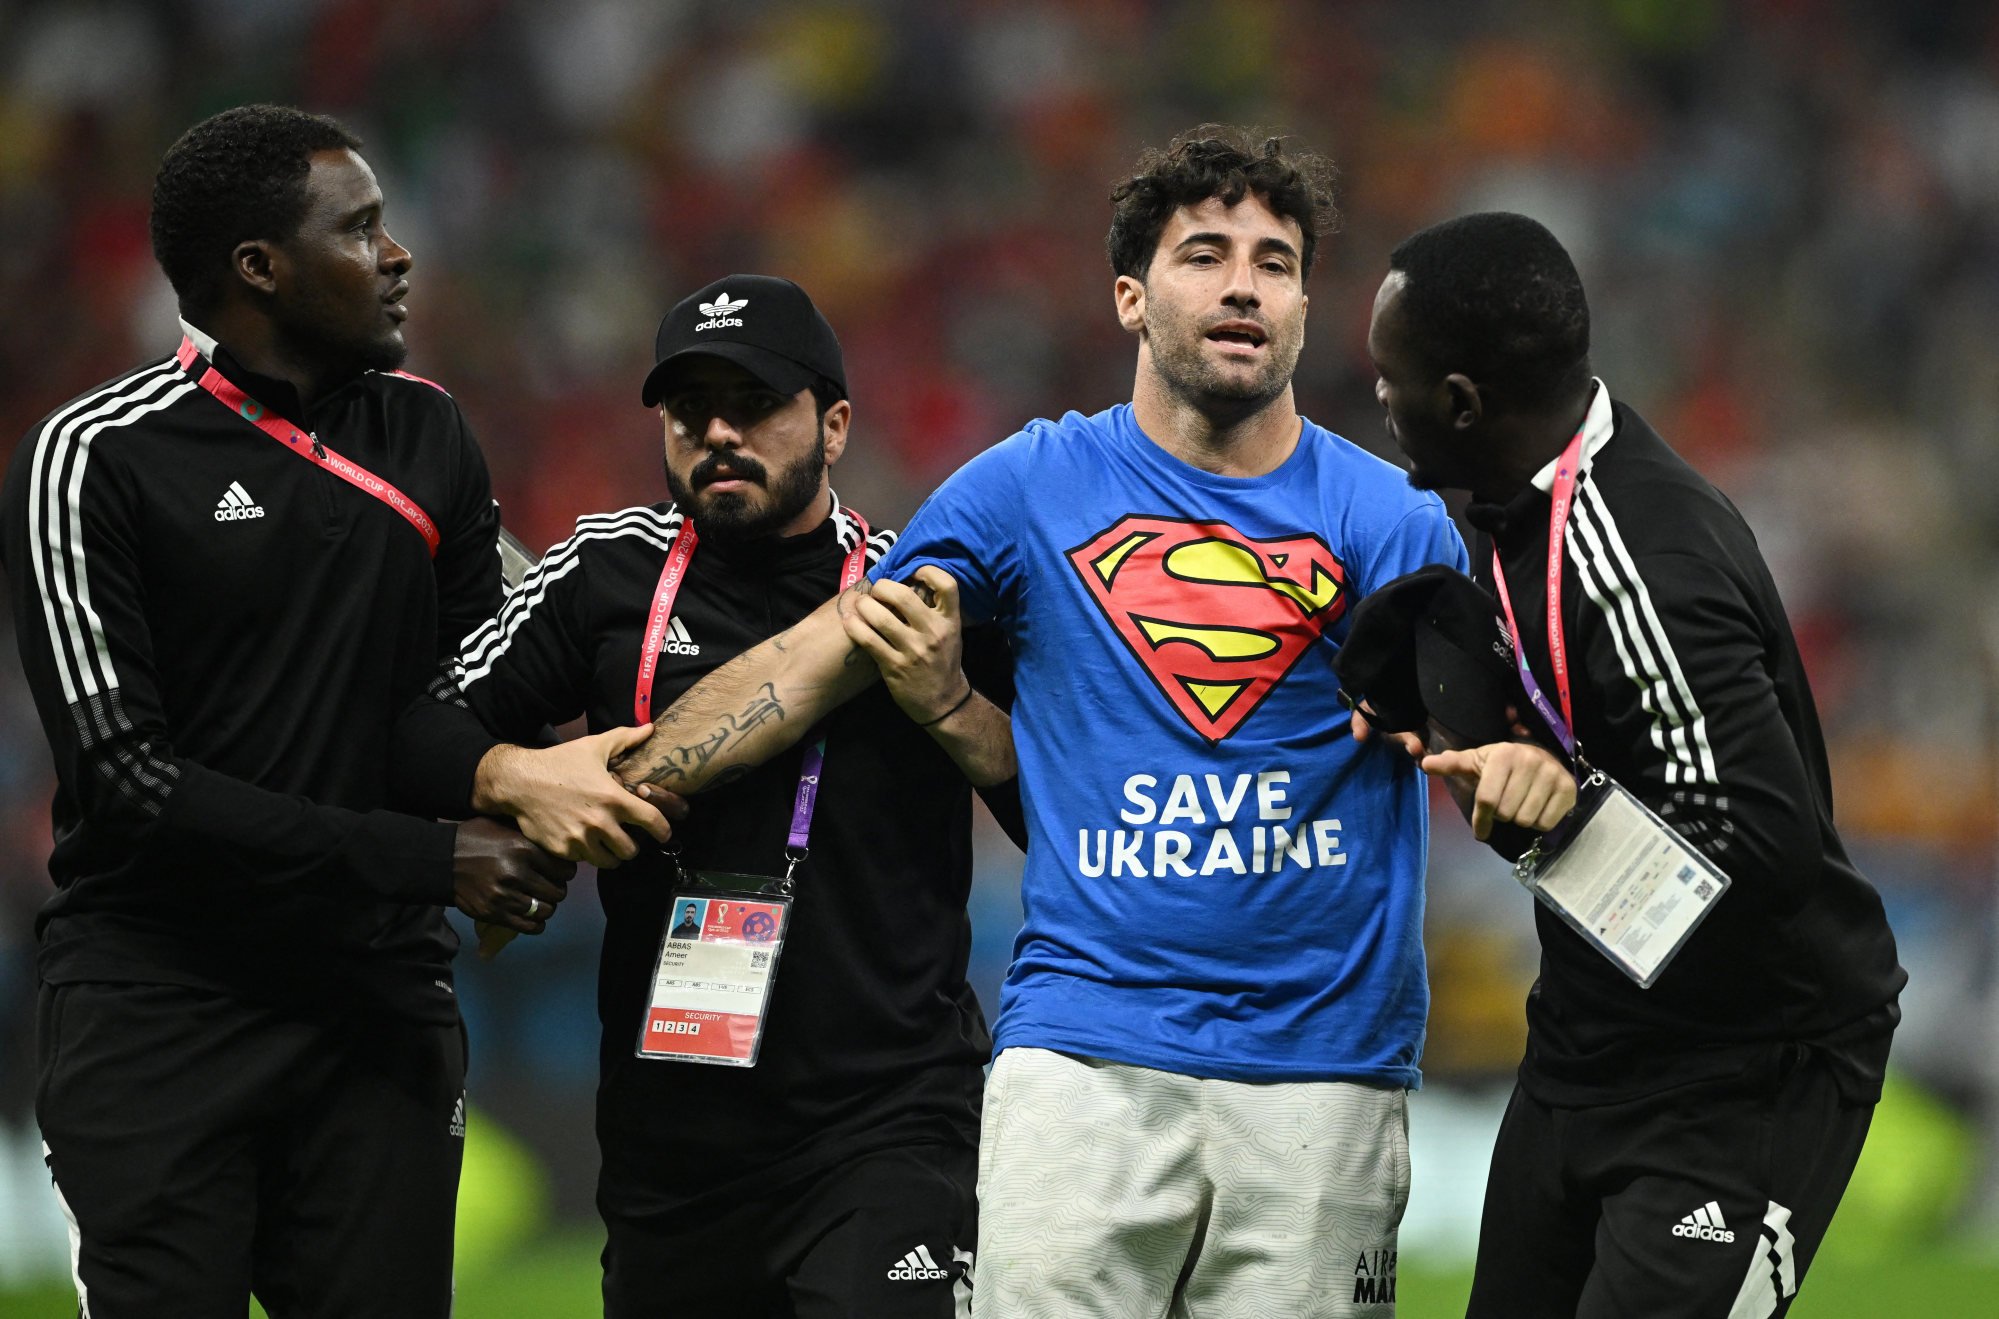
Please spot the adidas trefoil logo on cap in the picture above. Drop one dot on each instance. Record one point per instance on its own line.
(721, 313)
(1704, 1224)
(678, 642)
(916, 1266)
(236, 505)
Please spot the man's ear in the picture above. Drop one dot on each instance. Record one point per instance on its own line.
(254, 262)
(834, 428)
(1466, 404)
(1129, 294)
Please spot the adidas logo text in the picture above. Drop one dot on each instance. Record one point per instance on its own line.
(916, 1266)
(678, 642)
(236, 505)
(458, 1118)
(1704, 1224)
(721, 313)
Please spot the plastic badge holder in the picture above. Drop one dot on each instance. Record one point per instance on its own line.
(717, 964)
(1621, 877)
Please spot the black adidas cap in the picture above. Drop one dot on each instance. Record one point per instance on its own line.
(765, 325)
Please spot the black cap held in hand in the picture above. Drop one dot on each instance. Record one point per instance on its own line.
(766, 325)
(1429, 646)
(1428, 652)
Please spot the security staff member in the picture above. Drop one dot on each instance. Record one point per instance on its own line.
(1676, 1150)
(836, 1175)
(234, 572)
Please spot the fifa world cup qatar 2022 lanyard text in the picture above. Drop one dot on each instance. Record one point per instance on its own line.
(308, 446)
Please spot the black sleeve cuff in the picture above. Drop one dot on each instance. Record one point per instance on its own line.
(1003, 800)
(434, 757)
(404, 858)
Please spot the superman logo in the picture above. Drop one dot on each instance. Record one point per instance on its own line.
(1215, 618)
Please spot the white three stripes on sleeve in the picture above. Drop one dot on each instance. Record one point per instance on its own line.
(57, 540)
(56, 543)
(1610, 579)
(879, 544)
(484, 646)
(845, 528)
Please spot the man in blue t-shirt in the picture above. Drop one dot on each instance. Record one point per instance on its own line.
(1216, 1003)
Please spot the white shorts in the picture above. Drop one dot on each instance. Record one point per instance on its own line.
(1119, 1192)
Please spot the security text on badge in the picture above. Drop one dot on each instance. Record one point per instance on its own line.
(711, 985)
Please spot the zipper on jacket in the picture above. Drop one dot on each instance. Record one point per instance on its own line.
(329, 498)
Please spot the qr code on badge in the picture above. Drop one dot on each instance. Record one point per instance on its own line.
(758, 961)
(1704, 890)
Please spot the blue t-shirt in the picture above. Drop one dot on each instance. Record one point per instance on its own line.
(1220, 881)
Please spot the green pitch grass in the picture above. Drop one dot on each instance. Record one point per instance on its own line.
(557, 1279)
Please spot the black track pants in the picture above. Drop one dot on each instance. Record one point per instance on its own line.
(205, 1147)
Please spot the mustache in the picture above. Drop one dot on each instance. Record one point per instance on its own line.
(1247, 317)
(717, 467)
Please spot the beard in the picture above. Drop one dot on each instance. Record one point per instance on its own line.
(734, 516)
(1178, 354)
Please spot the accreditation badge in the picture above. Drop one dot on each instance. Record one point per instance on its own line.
(717, 964)
(1623, 879)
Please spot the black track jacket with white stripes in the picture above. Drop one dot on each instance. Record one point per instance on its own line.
(874, 1039)
(230, 650)
(1689, 691)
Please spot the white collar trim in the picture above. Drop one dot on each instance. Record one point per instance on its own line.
(1598, 426)
(203, 341)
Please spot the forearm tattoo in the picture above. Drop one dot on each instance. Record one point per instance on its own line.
(672, 761)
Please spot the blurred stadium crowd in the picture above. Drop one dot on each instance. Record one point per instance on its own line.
(1786, 213)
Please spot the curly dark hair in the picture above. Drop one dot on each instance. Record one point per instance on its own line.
(1494, 295)
(1217, 160)
(234, 176)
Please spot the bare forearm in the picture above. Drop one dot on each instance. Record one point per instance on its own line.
(978, 737)
(751, 708)
(716, 733)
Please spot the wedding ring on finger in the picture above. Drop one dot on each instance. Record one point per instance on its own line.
(534, 906)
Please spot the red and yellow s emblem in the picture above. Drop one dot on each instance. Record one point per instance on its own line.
(1215, 617)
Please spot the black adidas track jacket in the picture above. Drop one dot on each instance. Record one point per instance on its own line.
(1689, 691)
(231, 650)
(874, 1039)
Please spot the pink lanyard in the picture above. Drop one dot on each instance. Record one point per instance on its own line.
(668, 590)
(308, 447)
(1566, 470)
(663, 596)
